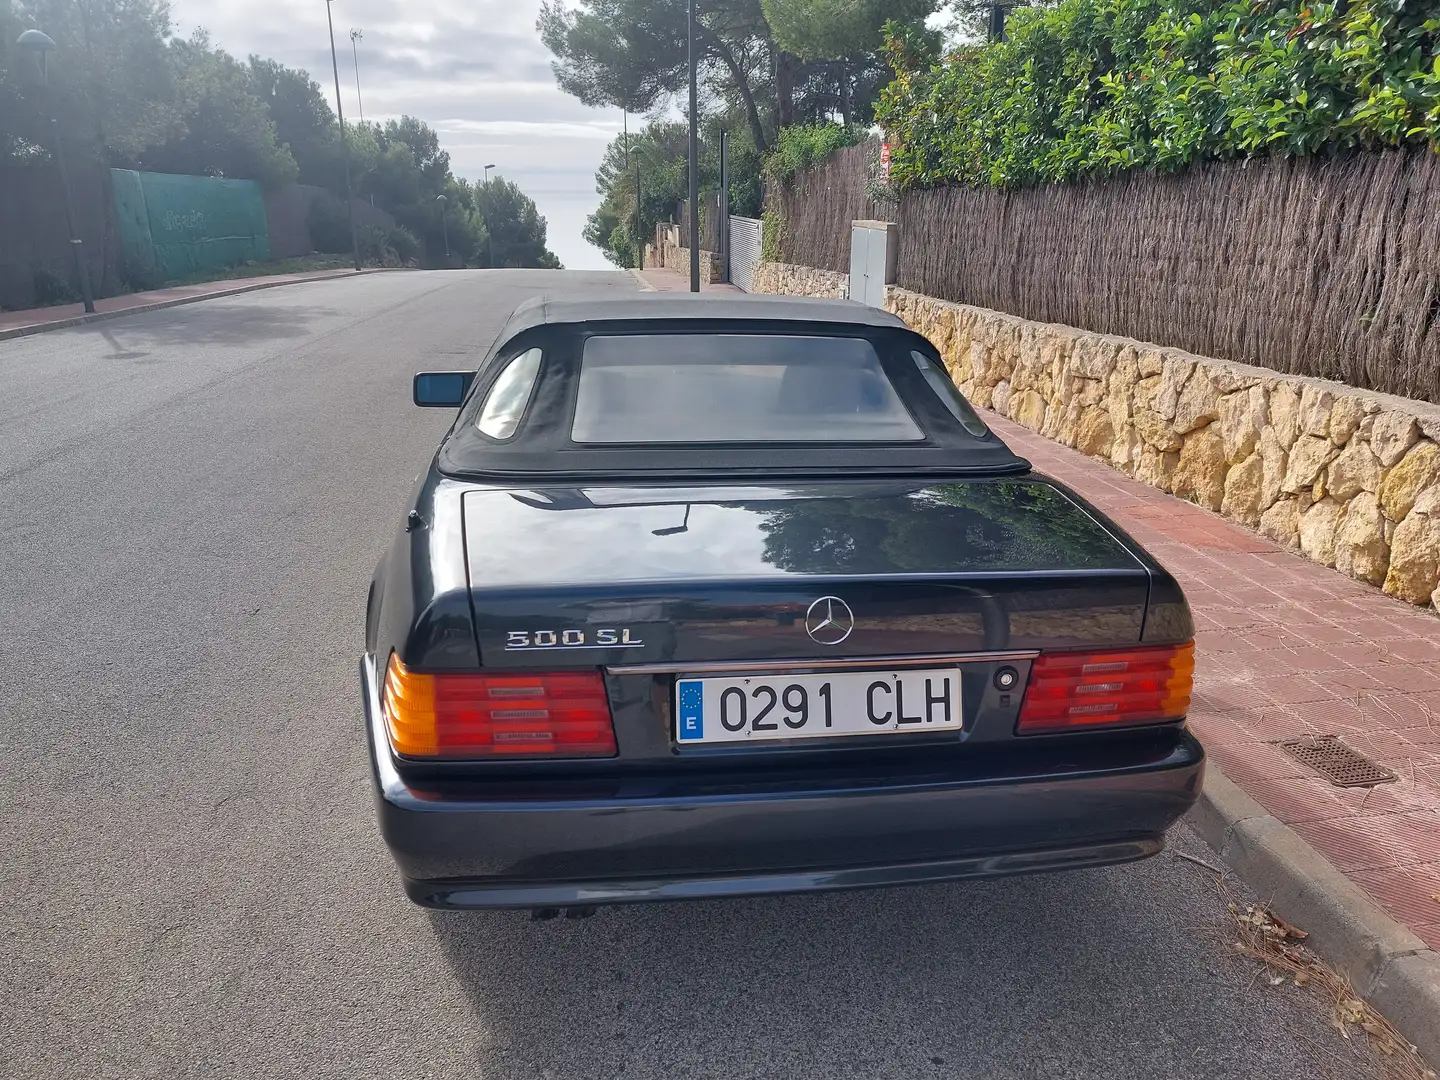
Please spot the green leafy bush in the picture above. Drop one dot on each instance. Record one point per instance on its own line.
(801, 147)
(404, 243)
(374, 247)
(1093, 86)
(329, 225)
(387, 247)
(51, 288)
(772, 236)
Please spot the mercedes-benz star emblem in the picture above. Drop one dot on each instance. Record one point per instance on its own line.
(829, 620)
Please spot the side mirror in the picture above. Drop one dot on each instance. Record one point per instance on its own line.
(441, 389)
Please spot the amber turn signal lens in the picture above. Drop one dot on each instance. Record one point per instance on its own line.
(551, 715)
(1070, 691)
(409, 706)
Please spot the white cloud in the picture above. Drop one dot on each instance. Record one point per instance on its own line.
(474, 70)
(533, 128)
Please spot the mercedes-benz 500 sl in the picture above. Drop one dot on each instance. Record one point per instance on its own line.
(707, 597)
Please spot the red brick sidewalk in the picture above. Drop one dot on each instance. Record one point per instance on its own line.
(1286, 647)
(665, 280)
(67, 314)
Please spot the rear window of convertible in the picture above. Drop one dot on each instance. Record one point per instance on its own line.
(736, 388)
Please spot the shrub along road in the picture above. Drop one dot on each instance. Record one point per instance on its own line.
(191, 505)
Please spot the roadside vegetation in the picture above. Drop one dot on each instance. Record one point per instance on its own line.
(1090, 87)
(130, 94)
(766, 68)
(307, 265)
(807, 145)
(1078, 88)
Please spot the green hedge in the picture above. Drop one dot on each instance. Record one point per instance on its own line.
(1094, 86)
(806, 145)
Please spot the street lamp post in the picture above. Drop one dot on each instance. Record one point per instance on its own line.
(444, 228)
(357, 35)
(344, 143)
(694, 165)
(42, 45)
(723, 224)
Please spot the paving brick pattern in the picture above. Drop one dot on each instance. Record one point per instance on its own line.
(1286, 647)
(670, 280)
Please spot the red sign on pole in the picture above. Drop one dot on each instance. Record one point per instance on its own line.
(885, 161)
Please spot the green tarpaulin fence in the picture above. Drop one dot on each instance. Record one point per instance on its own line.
(174, 226)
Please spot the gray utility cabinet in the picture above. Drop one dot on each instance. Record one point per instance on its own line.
(874, 246)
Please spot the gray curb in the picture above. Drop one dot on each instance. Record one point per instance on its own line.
(1386, 963)
(100, 316)
(645, 286)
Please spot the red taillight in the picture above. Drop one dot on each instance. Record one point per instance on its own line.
(564, 714)
(1074, 690)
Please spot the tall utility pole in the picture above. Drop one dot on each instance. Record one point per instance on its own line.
(694, 166)
(357, 35)
(344, 143)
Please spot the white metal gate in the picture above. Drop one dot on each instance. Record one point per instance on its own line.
(745, 239)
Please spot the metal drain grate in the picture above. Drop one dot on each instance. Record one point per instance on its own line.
(1335, 761)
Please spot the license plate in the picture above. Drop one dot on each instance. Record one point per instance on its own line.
(761, 707)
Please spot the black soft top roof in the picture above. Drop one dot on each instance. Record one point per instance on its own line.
(547, 311)
(542, 448)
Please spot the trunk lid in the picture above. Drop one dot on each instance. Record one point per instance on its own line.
(616, 575)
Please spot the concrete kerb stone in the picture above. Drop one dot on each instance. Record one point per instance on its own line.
(645, 286)
(1384, 961)
(1408, 995)
(140, 309)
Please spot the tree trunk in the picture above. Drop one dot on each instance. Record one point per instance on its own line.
(785, 88)
(752, 113)
(847, 107)
(742, 84)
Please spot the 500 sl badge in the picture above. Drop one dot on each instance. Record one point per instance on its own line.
(531, 640)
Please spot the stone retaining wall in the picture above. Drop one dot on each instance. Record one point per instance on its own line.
(1349, 477)
(788, 280)
(673, 256)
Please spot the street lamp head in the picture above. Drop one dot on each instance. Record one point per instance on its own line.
(440, 198)
(36, 40)
(40, 45)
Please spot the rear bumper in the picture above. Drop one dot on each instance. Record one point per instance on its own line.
(477, 848)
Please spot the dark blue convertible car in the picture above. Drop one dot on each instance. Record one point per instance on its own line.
(707, 597)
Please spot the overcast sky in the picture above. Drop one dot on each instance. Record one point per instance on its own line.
(474, 70)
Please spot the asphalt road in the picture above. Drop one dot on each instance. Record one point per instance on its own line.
(191, 882)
